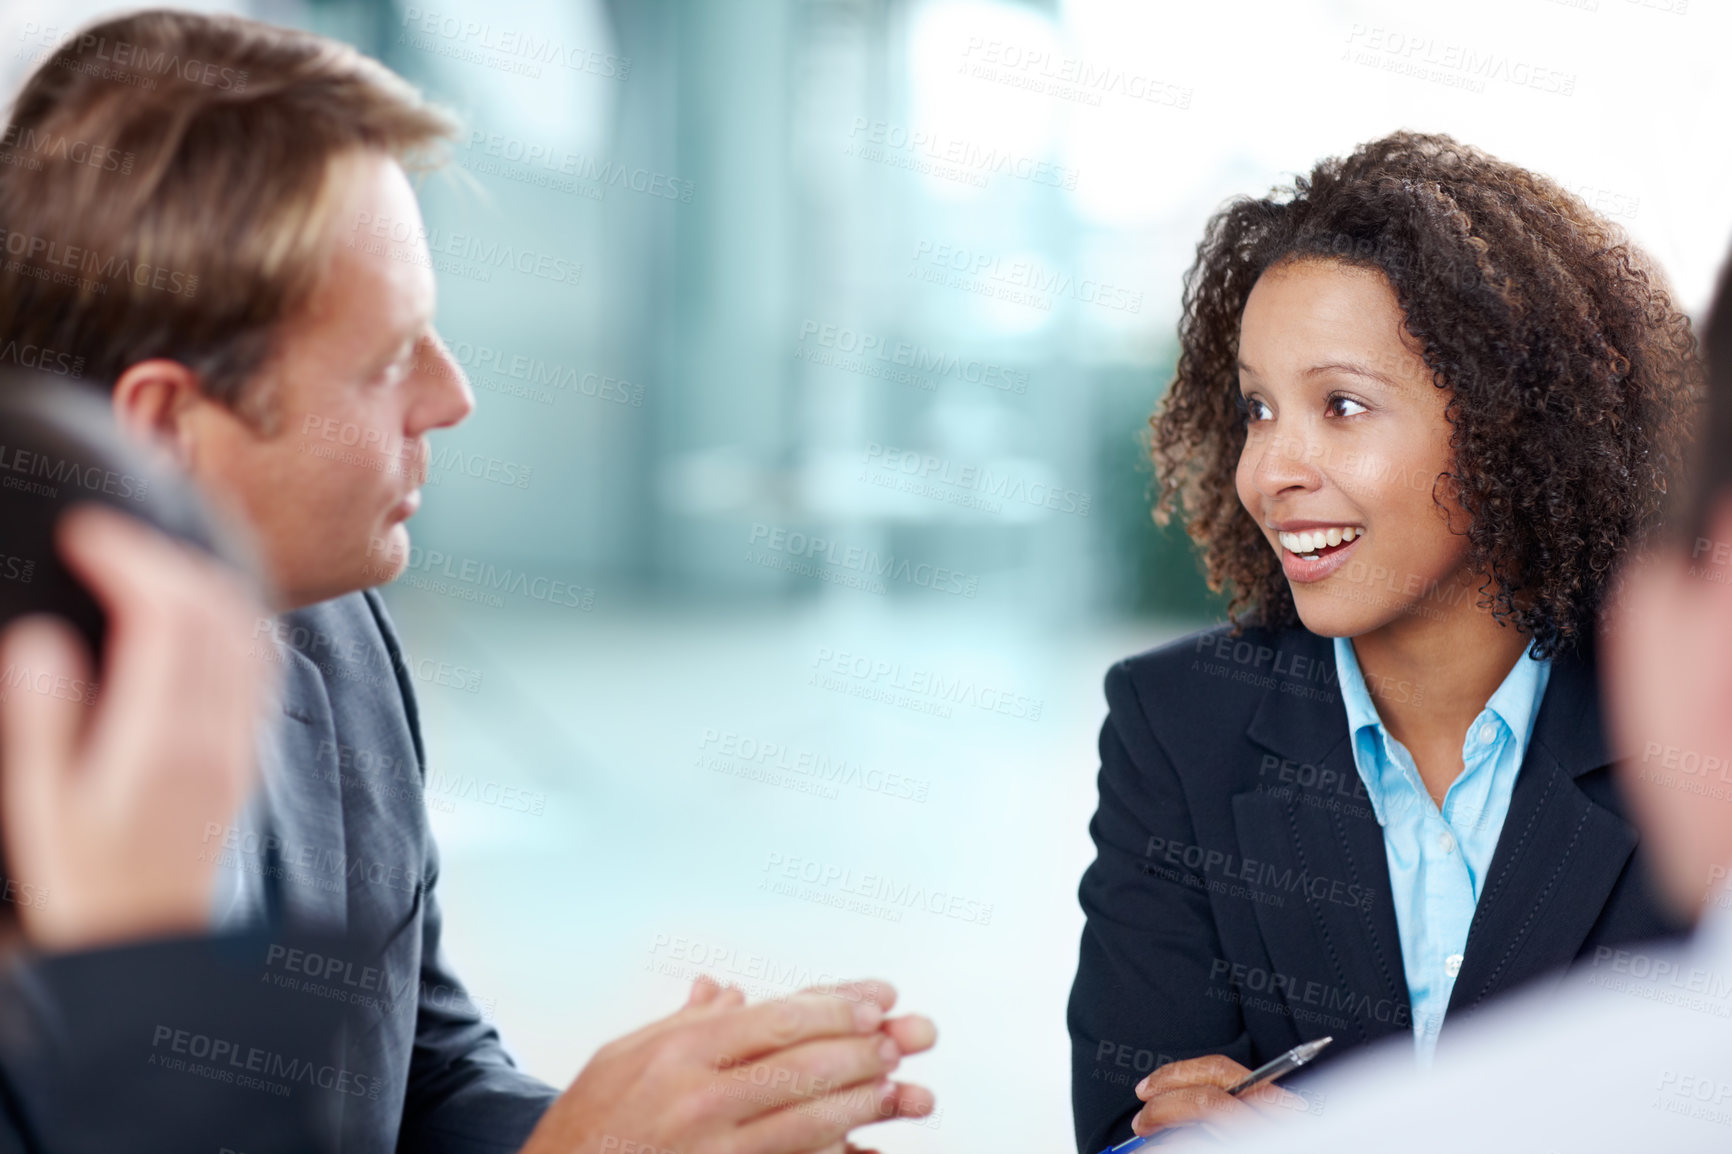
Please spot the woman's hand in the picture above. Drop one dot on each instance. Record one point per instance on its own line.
(1195, 1091)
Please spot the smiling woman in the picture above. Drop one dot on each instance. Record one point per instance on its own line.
(1425, 403)
(1326, 438)
(1564, 366)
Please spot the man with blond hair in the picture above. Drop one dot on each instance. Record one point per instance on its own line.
(255, 294)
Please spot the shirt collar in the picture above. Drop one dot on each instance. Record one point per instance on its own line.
(1364, 727)
(1517, 699)
(1516, 702)
(1360, 711)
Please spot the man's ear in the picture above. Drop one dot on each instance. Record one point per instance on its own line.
(153, 404)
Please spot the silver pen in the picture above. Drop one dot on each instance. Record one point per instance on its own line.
(1282, 1066)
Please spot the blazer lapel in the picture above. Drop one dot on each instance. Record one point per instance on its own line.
(1560, 853)
(1321, 852)
(303, 812)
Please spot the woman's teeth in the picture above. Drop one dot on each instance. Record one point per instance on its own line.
(1309, 542)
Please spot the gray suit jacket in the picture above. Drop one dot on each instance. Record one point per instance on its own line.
(342, 847)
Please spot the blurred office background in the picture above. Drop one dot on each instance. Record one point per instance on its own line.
(774, 578)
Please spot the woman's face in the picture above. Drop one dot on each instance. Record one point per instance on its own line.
(1345, 435)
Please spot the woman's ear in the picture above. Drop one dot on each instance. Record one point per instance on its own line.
(152, 403)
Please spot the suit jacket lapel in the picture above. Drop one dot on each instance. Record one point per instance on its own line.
(303, 812)
(1559, 854)
(1338, 926)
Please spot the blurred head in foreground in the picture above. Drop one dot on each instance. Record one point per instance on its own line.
(1668, 650)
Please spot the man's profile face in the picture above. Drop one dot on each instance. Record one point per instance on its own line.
(359, 380)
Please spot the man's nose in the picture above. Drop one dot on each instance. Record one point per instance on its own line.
(446, 398)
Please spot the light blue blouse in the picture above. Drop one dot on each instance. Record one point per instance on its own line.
(1438, 861)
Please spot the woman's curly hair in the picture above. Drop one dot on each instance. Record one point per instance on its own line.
(1572, 376)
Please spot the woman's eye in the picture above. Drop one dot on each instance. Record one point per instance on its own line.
(1345, 407)
(1253, 409)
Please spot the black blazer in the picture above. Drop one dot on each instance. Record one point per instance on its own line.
(1239, 902)
(167, 1047)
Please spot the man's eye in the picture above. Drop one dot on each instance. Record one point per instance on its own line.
(397, 370)
(1345, 407)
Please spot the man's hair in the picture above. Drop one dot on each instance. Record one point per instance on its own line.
(1572, 376)
(169, 191)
